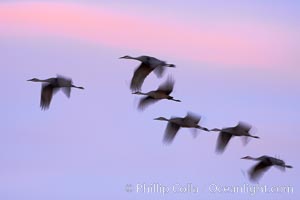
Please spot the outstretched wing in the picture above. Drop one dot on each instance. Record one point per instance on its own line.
(245, 140)
(139, 76)
(258, 170)
(159, 70)
(244, 126)
(66, 91)
(63, 81)
(191, 118)
(157, 65)
(222, 142)
(279, 164)
(46, 96)
(145, 102)
(170, 132)
(167, 86)
(65, 84)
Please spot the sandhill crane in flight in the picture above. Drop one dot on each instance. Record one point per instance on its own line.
(163, 92)
(148, 64)
(175, 123)
(265, 162)
(241, 129)
(51, 86)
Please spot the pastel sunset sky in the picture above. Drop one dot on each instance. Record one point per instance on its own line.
(235, 61)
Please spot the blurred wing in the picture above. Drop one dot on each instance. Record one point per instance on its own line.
(139, 76)
(64, 81)
(258, 170)
(280, 164)
(170, 132)
(194, 132)
(281, 168)
(244, 126)
(245, 140)
(159, 71)
(167, 87)
(46, 96)
(192, 118)
(145, 102)
(66, 91)
(61, 77)
(222, 142)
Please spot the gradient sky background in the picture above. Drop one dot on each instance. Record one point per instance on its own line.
(236, 60)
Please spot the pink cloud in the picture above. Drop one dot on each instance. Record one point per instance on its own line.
(234, 44)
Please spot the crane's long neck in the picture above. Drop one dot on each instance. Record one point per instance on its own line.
(252, 158)
(41, 80)
(162, 119)
(202, 128)
(132, 58)
(140, 93)
(215, 129)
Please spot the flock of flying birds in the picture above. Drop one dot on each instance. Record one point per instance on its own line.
(150, 64)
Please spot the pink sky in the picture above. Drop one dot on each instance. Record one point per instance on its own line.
(229, 44)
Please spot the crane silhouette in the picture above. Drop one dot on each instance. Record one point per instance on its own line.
(148, 64)
(265, 162)
(241, 129)
(51, 86)
(163, 92)
(175, 123)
